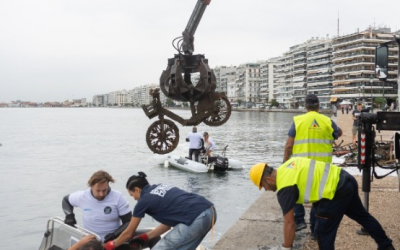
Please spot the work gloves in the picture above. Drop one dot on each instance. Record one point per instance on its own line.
(70, 220)
(109, 237)
(109, 245)
(135, 242)
(138, 241)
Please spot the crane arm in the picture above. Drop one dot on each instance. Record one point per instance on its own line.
(188, 33)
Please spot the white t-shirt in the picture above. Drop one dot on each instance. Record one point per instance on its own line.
(194, 140)
(209, 144)
(100, 217)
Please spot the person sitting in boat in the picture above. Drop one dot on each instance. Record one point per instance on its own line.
(190, 215)
(209, 144)
(105, 211)
(195, 143)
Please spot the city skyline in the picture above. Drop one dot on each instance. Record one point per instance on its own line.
(58, 50)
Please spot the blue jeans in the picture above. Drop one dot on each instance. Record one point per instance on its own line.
(299, 213)
(183, 237)
(329, 214)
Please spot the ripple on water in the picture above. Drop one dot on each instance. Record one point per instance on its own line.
(48, 153)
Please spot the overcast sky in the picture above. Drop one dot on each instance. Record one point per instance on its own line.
(54, 50)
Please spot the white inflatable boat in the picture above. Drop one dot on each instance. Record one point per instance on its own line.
(206, 164)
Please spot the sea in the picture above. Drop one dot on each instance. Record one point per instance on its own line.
(47, 153)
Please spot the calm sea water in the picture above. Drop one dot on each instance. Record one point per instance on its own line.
(47, 153)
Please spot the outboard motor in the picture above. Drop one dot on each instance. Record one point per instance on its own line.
(221, 164)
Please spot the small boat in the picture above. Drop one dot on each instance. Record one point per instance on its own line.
(206, 164)
(60, 236)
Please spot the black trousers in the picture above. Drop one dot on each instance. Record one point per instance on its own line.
(330, 212)
(196, 152)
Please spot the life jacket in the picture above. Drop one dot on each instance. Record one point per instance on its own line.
(314, 137)
(315, 180)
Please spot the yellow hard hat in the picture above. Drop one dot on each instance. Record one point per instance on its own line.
(256, 172)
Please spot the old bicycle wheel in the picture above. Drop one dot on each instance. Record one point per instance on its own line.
(221, 112)
(162, 137)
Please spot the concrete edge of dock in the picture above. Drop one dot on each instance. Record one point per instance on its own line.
(260, 227)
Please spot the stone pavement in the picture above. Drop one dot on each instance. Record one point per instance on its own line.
(260, 228)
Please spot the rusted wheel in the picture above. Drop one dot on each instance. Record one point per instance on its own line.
(220, 113)
(162, 137)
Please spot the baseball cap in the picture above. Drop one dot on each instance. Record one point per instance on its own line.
(205, 133)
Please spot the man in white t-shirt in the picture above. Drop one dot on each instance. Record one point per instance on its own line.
(195, 143)
(105, 212)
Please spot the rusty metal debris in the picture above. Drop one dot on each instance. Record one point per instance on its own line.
(162, 136)
(206, 105)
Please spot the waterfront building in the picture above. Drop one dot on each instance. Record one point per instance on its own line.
(299, 91)
(284, 75)
(231, 91)
(268, 80)
(245, 87)
(134, 95)
(144, 93)
(106, 99)
(122, 98)
(98, 100)
(319, 70)
(304, 69)
(223, 75)
(353, 65)
(247, 83)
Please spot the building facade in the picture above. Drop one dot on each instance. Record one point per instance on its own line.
(353, 65)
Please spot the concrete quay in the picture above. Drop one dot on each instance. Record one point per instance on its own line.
(260, 228)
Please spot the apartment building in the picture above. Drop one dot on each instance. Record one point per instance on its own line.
(299, 53)
(247, 83)
(122, 98)
(223, 75)
(353, 65)
(284, 76)
(268, 83)
(304, 69)
(98, 100)
(319, 70)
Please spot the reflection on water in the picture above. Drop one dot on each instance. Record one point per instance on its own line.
(48, 153)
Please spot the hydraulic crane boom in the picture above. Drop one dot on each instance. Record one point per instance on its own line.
(175, 81)
(188, 33)
(206, 105)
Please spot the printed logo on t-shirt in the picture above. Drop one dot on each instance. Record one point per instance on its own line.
(107, 210)
(161, 190)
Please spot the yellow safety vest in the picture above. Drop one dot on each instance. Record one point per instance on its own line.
(313, 137)
(314, 179)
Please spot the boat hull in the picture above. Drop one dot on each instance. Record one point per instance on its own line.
(197, 167)
(186, 164)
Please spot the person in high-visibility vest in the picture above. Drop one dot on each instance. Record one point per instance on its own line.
(331, 190)
(311, 135)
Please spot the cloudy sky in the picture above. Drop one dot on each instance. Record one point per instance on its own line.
(53, 50)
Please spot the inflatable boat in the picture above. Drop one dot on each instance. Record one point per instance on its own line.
(206, 164)
(60, 236)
